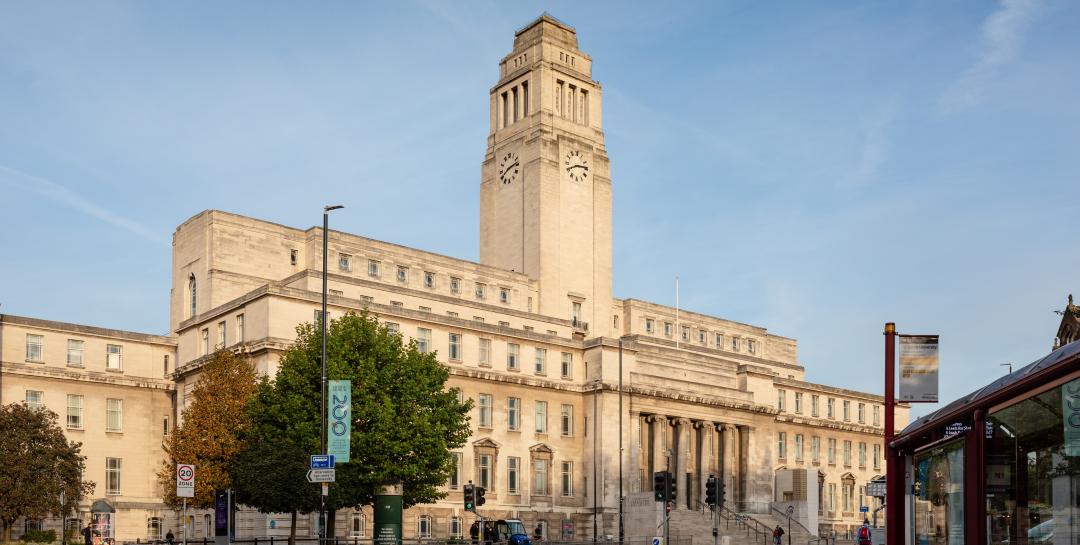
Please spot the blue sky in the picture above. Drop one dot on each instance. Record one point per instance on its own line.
(814, 168)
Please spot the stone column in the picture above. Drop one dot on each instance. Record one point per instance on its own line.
(657, 459)
(731, 466)
(704, 458)
(681, 460)
(744, 470)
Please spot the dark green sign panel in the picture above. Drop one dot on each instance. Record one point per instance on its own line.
(388, 507)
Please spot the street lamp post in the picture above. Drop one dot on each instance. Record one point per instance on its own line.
(322, 327)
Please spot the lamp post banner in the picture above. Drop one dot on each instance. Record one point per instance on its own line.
(919, 368)
(339, 420)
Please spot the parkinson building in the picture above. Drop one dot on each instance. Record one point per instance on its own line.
(531, 333)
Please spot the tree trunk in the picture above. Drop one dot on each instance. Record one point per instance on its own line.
(292, 529)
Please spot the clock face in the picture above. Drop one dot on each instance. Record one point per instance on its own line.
(509, 167)
(576, 165)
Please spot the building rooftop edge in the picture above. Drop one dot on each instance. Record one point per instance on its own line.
(86, 329)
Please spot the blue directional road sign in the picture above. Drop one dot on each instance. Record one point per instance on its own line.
(864, 509)
(322, 461)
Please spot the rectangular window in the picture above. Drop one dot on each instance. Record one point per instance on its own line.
(685, 333)
(455, 473)
(575, 312)
(566, 420)
(830, 408)
(667, 329)
(204, 338)
(862, 455)
(403, 274)
(484, 406)
(798, 402)
(165, 426)
(373, 268)
(649, 325)
(393, 329)
(815, 449)
(512, 466)
(343, 261)
(485, 352)
(541, 361)
(512, 355)
(504, 295)
(481, 290)
(239, 328)
(751, 346)
(832, 452)
(114, 415)
(540, 477)
(877, 456)
(813, 405)
(877, 415)
(735, 344)
(483, 470)
(423, 339)
(455, 347)
(455, 285)
(781, 400)
(702, 337)
(358, 525)
(153, 529)
(847, 453)
(798, 447)
(541, 417)
(832, 496)
(862, 413)
(847, 411)
(35, 348)
(781, 445)
(513, 414)
(75, 353)
(293, 257)
(429, 280)
(719, 340)
(220, 336)
(567, 365)
(35, 399)
(112, 476)
(74, 412)
(567, 479)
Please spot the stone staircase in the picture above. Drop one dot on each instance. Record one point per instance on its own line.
(745, 529)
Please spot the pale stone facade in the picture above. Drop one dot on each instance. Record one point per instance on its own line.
(533, 335)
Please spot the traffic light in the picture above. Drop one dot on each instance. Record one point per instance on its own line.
(470, 498)
(480, 491)
(672, 489)
(660, 484)
(711, 492)
(721, 491)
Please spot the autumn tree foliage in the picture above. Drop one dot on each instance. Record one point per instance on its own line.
(405, 421)
(38, 467)
(209, 438)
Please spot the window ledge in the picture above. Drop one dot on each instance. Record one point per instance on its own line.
(35, 361)
(114, 370)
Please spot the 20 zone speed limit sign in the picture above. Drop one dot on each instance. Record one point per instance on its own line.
(185, 481)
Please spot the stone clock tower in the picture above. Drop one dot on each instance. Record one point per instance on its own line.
(545, 190)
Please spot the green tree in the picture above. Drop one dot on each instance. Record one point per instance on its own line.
(405, 421)
(209, 436)
(38, 466)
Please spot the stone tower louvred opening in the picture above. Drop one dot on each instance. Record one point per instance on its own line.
(545, 198)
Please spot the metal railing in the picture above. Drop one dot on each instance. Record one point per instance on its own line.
(753, 527)
(792, 519)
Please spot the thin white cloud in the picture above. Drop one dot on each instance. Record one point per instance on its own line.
(876, 143)
(1002, 37)
(67, 197)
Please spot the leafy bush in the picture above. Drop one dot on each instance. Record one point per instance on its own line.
(39, 536)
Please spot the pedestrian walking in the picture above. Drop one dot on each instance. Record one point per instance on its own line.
(88, 536)
(862, 536)
(777, 534)
(169, 537)
(474, 532)
(538, 533)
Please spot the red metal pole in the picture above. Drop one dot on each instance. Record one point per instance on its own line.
(894, 473)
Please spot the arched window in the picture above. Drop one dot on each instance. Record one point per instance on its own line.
(191, 295)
